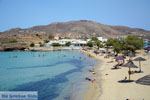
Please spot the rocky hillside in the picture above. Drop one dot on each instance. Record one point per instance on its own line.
(71, 29)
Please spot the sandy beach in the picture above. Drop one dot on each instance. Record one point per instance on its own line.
(108, 87)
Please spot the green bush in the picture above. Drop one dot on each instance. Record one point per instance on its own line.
(68, 44)
(46, 41)
(56, 44)
(90, 44)
(32, 45)
(13, 41)
(95, 42)
(41, 44)
(130, 43)
(133, 43)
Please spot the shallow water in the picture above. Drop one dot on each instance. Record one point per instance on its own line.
(57, 75)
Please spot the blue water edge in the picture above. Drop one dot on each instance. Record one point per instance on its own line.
(56, 75)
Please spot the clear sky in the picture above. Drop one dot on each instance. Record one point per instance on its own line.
(28, 13)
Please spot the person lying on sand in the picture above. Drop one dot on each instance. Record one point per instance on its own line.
(119, 63)
(92, 71)
(89, 79)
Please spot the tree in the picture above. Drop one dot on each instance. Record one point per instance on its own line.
(94, 39)
(109, 42)
(56, 44)
(68, 44)
(116, 44)
(90, 44)
(96, 42)
(32, 44)
(133, 43)
(130, 43)
(99, 44)
(46, 41)
(41, 44)
(37, 35)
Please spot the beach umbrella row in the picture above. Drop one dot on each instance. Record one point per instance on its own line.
(130, 65)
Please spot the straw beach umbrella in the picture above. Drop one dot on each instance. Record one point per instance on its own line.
(139, 59)
(144, 80)
(119, 58)
(130, 65)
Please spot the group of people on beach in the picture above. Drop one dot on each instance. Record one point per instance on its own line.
(91, 79)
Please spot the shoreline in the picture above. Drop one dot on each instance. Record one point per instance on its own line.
(94, 89)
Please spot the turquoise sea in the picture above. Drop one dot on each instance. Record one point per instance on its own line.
(56, 75)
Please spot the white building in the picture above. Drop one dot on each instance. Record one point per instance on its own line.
(100, 39)
(79, 43)
(51, 42)
(56, 38)
(74, 42)
(36, 45)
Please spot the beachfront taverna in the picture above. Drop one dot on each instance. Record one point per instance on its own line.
(74, 42)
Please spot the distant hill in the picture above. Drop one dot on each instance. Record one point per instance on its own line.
(79, 29)
(70, 29)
